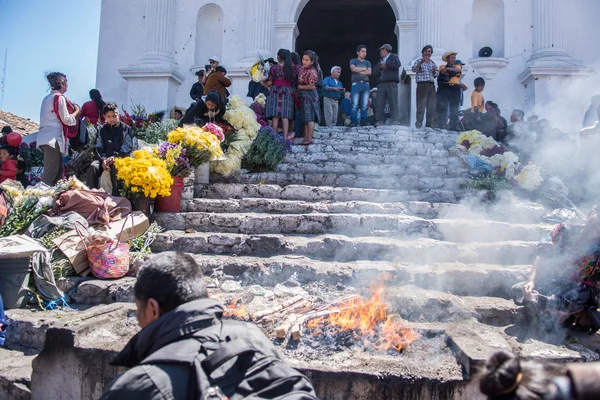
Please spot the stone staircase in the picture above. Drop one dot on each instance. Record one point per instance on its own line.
(357, 206)
(359, 203)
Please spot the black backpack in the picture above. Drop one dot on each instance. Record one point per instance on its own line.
(233, 360)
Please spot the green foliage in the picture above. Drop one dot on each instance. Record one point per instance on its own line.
(266, 152)
(157, 132)
(488, 182)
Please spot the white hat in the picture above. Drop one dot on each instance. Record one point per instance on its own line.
(214, 58)
(334, 68)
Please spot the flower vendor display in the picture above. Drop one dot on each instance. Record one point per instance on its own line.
(493, 156)
(246, 127)
(25, 205)
(258, 71)
(156, 132)
(259, 108)
(267, 151)
(143, 175)
(178, 165)
(139, 119)
(200, 144)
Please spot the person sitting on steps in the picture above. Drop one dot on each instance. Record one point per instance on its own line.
(114, 140)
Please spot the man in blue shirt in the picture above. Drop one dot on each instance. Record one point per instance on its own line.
(332, 93)
(361, 71)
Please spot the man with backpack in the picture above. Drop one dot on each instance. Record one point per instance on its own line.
(186, 351)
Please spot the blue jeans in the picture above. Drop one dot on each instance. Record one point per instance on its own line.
(3, 322)
(360, 91)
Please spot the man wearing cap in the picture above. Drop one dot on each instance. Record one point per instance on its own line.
(449, 91)
(386, 72)
(213, 62)
(332, 93)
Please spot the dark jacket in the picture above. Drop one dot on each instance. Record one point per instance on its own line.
(197, 91)
(392, 73)
(182, 323)
(200, 111)
(114, 141)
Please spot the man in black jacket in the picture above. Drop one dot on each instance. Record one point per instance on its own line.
(179, 325)
(114, 140)
(387, 75)
(197, 90)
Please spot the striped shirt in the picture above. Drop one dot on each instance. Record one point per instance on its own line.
(425, 72)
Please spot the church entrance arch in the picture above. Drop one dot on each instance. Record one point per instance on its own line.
(333, 28)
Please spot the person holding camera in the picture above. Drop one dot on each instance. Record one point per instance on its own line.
(197, 90)
(219, 82)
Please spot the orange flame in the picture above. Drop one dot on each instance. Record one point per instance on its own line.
(369, 321)
(232, 310)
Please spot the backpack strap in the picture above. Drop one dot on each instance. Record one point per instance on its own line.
(234, 348)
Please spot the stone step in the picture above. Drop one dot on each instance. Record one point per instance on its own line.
(416, 304)
(405, 182)
(456, 278)
(15, 374)
(344, 248)
(401, 226)
(372, 170)
(374, 158)
(361, 141)
(388, 133)
(475, 279)
(370, 147)
(318, 193)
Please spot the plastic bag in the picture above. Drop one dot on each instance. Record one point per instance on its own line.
(106, 182)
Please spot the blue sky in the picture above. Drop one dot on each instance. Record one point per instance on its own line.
(42, 36)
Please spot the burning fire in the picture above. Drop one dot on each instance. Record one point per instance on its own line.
(366, 320)
(233, 311)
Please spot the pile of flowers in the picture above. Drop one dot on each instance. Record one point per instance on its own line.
(259, 108)
(175, 157)
(139, 119)
(144, 174)
(246, 127)
(200, 144)
(488, 154)
(258, 71)
(267, 150)
(25, 205)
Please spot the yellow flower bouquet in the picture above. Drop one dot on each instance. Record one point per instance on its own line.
(144, 174)
(200, 145)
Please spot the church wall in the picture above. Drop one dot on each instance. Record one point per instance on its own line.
(121, 43)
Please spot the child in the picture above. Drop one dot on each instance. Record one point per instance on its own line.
(346, 108)
(114, 140)
(309, 97)
(477, 101)
(332, 92)
(8, 167)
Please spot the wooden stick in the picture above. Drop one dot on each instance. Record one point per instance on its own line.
(282, 330)
(288, 303)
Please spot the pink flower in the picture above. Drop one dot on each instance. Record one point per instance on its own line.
(215, 130)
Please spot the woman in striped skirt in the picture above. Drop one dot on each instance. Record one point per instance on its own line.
(280, 103)
(307, 91)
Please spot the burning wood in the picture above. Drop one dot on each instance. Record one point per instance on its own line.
(363, 321)
(233, 311)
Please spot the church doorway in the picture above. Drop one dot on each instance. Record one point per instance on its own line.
(333, 28)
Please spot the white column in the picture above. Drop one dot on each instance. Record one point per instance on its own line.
(431, 23)
(260, 24)
(160, 24)
(548, 29)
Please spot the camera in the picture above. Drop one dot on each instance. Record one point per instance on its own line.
(207, 67)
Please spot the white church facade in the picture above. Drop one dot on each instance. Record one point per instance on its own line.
(543, 57)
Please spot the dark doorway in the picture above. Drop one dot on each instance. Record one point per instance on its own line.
(333, 28)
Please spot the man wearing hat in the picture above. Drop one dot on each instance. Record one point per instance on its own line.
(449, 91)
(213, 62)
(332, 93)
(386, 72)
